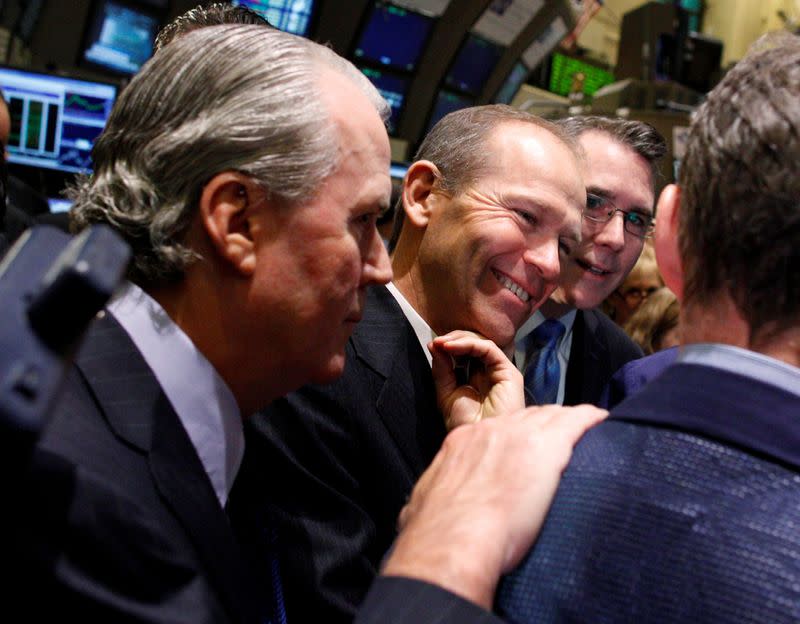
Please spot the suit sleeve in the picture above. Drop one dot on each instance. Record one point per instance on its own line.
(397, 600)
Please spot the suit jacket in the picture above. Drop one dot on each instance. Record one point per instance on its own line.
(337, 462)
(116, 520)
(635, 375)
(683, 507)
(136, 532)
(599, 349)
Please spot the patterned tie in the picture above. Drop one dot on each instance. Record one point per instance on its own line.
(277, 609)
(542, 371)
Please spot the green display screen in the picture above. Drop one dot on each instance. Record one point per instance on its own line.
(563, 68)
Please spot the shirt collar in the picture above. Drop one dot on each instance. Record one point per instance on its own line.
(743, 362)
(536, 319)
(421, 328)
(201, 399)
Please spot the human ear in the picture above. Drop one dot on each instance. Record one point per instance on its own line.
(666, 239)
(225, 209)
(417, 192)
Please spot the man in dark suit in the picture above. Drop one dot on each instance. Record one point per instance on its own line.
(493, 198)
(621, 166)
(683, 506)
(246, 168)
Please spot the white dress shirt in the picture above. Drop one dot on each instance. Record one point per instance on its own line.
(201, 399)
(421, 328)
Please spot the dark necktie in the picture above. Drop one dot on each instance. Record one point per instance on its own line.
(542, 371)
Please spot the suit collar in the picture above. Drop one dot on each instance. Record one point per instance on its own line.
(140, 414)
(385, 342)
(723, 406)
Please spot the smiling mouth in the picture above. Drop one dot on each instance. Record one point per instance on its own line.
(594, 270)
(511, 285)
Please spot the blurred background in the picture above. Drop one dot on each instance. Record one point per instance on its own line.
(65, 61)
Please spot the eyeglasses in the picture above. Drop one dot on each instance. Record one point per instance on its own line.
(601, 210)
(634, 296)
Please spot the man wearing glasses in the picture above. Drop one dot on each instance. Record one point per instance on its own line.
(568, 350)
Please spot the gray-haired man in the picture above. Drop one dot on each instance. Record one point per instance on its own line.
(246, 168)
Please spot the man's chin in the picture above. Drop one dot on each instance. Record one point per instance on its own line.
(330, 371)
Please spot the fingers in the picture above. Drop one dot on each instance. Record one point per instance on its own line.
(468, 344)
(477, 509)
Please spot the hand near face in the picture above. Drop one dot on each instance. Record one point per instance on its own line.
(478, 508)
(494, 385)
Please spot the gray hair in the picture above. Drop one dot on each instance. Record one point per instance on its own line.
(639, 136)
(456, 145)
(222, 98)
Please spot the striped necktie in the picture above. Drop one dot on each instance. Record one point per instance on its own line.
(542, 371)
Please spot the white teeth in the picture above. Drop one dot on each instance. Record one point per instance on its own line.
(596, 271)
(513, 287)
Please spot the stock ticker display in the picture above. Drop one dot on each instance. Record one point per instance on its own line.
(54, 120)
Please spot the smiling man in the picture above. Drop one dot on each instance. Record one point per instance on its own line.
(569, 359)
(491, 208)
(246, 169)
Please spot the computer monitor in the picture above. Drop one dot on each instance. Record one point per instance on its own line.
(397, 170)
(54, 120)
(447, 102)
(563, 69)
(519, 73)
(292, 16)
(393, 87)
(59, 204)
(120, 35)
(473, 64)
(393, 36)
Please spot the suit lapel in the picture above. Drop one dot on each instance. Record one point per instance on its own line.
(139, 412)
(586, 355)
(386, 342)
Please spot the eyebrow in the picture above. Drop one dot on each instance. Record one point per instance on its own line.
(596, 190)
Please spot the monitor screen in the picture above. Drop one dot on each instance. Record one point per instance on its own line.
(120, 36)
(563, 69)
(393, 36)
(447, 102)
(393, 88)
(293, 16)
(59, 204)
(398, 170)
(513, 82)
(54, 120)
(473, 65)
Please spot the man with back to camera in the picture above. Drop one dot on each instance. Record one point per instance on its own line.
(569, 349)
(489, 211)
(250, 207)
(689, 491)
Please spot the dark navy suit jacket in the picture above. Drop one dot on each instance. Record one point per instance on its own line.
(335, 463)
(599, 349)
(118, 521)
(635, 375)
(683, 507)
(139, 535)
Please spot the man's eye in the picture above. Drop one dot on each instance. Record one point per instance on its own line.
(526, 216)
(595, 203)
(366, 219)
(639, 220)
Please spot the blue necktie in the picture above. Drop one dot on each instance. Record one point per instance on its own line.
(276, 608)
(542, 371)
